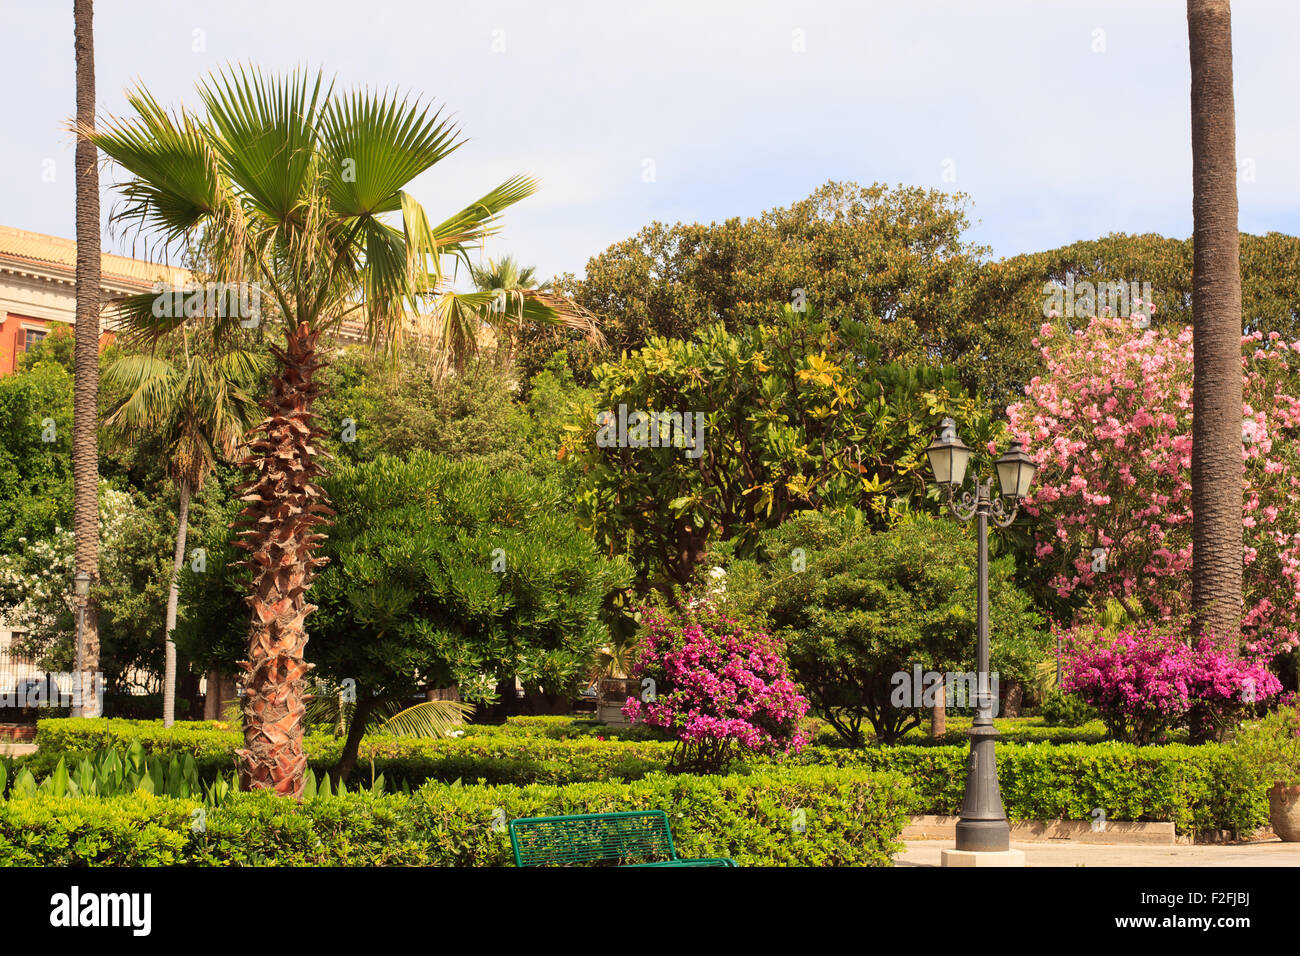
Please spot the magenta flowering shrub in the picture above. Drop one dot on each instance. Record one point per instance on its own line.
(1146, 682)
(718, 685)
(1110, 424)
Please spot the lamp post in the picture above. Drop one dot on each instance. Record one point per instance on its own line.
(982, 826)
(81, 594)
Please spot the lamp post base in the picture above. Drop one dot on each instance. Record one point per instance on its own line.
(986, 858)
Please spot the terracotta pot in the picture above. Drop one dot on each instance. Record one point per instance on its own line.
(1284, 812)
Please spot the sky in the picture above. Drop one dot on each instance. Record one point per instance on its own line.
(1061, 120)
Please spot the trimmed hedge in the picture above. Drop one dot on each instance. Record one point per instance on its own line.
(852, 818)
(487, 758)
(1198, 788)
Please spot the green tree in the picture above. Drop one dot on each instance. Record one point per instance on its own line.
(199, 406)
(445, 574)
(785, 417)
(893, 259)
(35, 454)
(857, 607)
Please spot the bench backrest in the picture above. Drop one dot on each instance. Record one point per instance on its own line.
(640, 836)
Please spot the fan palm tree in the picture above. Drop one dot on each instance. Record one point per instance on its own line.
(506, 299)
(301, 190)
(201, 407)
(85, 395)
(1216, 327)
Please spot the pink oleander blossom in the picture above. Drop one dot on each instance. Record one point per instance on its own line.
(1110, 425)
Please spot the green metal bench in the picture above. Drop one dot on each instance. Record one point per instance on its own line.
(638, 838)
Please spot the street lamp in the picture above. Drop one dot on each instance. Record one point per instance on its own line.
(81, 594)
(982, 826)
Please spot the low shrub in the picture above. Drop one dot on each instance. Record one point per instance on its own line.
(1197, 788)
(1065, 710)
(852, 818)
(505, 758)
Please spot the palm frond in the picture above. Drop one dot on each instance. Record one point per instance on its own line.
(374, 145)
(430, 718)
(457, 234)
(267, 138)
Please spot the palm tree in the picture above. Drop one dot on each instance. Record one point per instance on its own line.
(291, 185)
(1216, 317)
(201, 408)
(85, 396)
(507, 300)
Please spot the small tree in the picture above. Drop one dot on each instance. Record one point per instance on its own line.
(719, 685)
(200, 406)
(857, 607)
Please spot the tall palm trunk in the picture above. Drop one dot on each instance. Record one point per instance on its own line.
(1216, 316)
(85, 411)
(173, 598)
(279, 523)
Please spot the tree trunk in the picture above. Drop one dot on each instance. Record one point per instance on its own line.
(221, 687)
(939, 718)
(348, 759)
(85, 410)
(284, 509)
(173, 596)
(1216, 317)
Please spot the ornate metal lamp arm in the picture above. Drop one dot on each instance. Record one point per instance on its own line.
(969, 503)
(1003, 514)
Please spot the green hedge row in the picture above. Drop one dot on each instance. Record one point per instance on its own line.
(506, 758)
(1198, 788)
(849, 818)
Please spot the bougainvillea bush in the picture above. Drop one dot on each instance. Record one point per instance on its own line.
(720, 686)
(1148, 681)
(1110, 424)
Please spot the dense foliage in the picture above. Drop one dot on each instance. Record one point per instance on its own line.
(852, 819)
(856, 607)
(784, 417)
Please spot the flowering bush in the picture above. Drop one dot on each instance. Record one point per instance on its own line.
(717, 684)
(1145, 682)
(1110, 424)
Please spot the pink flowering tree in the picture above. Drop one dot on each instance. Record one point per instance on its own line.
(719, 686)
(1110, 424)
(1147, 681)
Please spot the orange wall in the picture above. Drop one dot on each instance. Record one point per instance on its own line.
(12, 336)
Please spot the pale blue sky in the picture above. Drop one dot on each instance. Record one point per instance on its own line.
(1053, 139)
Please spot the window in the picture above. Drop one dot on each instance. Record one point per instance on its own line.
(32, 338)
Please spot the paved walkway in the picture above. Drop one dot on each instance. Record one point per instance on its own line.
(1268, 853)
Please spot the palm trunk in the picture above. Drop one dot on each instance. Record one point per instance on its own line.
(939, 718)
(284, 508)
(1216, 317)
(85, 410)
(173, 596)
